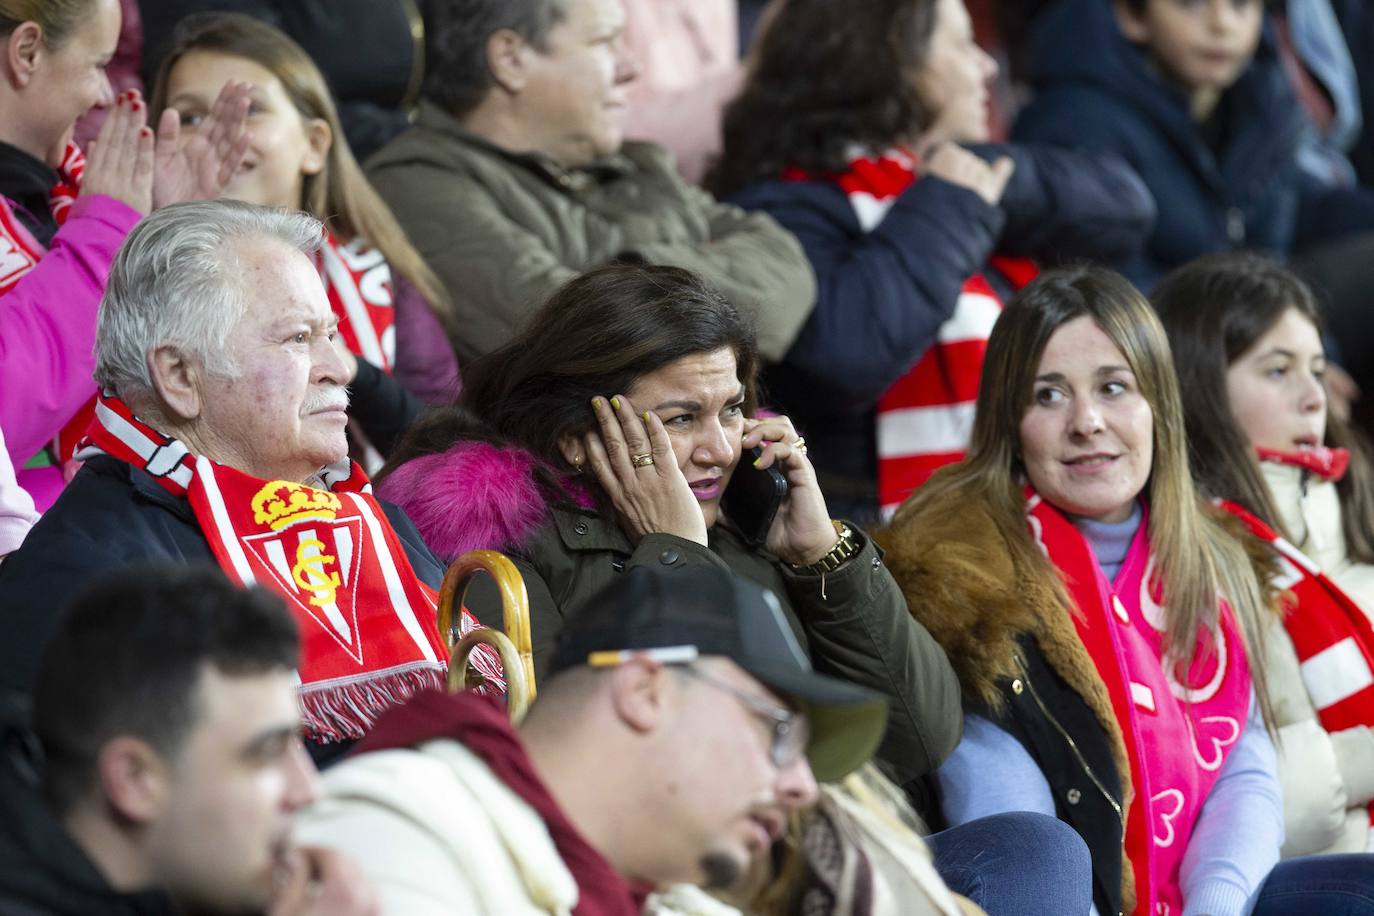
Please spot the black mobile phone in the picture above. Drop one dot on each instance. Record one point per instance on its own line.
(752, 498)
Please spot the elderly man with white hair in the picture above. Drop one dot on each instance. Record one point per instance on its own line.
(219, 439)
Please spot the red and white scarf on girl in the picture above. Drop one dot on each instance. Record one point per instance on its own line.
(1327, 463)
(358, 281)
(369, 638)
(1331, 634)
(925, 418)
(1177, 735)
(19, 250)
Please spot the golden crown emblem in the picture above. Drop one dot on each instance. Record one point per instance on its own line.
(282, 503)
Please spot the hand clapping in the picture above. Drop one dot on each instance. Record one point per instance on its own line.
(198, 167)
(322, 882)
(146, 172)
(119, 163)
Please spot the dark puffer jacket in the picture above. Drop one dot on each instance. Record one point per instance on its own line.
(42, 870)
(883, 294)
(1233, 184)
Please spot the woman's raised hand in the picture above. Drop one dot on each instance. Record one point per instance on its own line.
(958, 166)
(802, 532)
(119, 163)
(633, 460)
(199, 167)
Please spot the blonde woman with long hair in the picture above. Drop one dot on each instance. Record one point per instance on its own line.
(1103, 619)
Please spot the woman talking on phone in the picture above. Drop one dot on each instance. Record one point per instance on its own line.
(610, 434)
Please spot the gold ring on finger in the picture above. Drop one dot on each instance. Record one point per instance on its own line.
(641, 461)
(799, 445)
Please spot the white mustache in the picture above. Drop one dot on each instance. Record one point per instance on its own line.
(334, 397)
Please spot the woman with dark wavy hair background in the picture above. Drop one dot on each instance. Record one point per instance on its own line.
(847, 133)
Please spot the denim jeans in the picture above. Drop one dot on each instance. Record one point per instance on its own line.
(1017, 864)
(1319, 886)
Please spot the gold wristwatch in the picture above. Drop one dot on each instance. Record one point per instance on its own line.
(845, 549)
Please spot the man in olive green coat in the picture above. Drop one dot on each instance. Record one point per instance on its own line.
(514, 178)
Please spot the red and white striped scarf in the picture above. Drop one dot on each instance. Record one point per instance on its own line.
(1327, 463)
(369, 638)
(69, 174)
(1331, 634)
(925, 418)
(358, 281)
(19, 250)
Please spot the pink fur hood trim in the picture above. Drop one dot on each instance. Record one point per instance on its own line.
(474, 496)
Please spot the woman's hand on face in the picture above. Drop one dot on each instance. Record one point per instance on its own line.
(958, 166)
(119, 163)
(201, 165)
(801, 533)
(651, 498)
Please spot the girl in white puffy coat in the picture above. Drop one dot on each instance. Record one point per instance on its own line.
(1246, 340)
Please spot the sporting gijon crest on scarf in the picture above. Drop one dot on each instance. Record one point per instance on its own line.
(1331, 635)
(925, 419)
(1179, 728)
(369, 639)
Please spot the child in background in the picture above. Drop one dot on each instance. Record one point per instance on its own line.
(1193, 95)
(1249, 354)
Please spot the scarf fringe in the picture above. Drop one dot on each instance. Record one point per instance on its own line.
(336, 711)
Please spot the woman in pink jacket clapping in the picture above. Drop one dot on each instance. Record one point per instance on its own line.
(63, 214)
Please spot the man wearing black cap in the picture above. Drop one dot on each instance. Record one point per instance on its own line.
(679, 727)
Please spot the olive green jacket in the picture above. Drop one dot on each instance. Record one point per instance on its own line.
(503, 230)
(860, 631)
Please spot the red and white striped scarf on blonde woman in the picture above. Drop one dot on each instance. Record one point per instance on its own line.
(369, 638)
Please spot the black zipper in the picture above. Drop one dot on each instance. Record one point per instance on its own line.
(1116, 805)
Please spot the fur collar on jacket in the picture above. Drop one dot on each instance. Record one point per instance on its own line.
(954, 569)
(474, 496)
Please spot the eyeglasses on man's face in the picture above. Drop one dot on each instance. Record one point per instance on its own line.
(791, 731)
